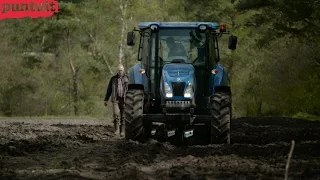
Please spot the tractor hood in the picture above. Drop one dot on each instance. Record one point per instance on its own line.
(178, 81)
(178, 70)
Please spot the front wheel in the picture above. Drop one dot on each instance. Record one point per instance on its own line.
(134, 126)
(221, 117)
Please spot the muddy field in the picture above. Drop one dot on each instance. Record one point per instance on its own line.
(89, 150)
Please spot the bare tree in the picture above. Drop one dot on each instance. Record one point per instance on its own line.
(123, 10)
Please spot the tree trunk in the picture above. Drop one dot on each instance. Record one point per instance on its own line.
(186, 11)
(123, 9)
(259, 108)
(74, 77)
(162, 3)
(46, 113)
(75, 92)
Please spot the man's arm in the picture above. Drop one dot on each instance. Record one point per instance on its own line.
(109, 90)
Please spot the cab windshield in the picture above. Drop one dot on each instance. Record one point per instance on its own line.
(181, 45)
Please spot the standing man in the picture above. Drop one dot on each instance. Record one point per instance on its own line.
(117, 88)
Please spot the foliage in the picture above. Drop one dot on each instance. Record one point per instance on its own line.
(60, 66)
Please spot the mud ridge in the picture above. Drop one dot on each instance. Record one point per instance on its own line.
(88, 150)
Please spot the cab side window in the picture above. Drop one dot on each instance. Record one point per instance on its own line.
(212, 52)
(144, 53)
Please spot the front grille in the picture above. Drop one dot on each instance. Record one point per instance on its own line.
(178, 88)
(178, 104)
(178, 73)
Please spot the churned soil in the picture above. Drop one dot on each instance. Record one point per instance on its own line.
(36, 149)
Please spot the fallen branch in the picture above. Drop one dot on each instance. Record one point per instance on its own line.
(289, 158)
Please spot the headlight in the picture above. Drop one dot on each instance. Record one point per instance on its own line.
(188, 92)
(167, 90)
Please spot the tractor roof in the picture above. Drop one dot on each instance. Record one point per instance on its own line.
(182, 25)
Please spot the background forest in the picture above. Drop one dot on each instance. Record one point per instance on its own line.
(60, 66)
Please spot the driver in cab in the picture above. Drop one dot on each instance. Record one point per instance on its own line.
(175, 49)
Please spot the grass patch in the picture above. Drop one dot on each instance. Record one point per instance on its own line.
(52, 117)
(89, 120)
(306, 116)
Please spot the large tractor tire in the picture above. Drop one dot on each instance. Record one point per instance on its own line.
(221, 117)
(134, 127)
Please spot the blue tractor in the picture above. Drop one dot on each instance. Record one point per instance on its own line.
(178, 91)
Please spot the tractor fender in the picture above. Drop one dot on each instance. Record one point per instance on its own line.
(219, 81)
(136, 80)
(225, 89)
(136, 86)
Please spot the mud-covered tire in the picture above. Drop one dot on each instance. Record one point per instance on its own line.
(134, 126)
(221, 117)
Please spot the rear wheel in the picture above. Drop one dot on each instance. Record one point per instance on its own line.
(221, 117)
(134, 126)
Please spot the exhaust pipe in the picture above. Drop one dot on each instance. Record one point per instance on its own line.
(188, 133)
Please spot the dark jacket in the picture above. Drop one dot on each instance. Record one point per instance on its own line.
(112, 88)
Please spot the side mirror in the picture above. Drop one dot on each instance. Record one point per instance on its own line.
(130, 38)
(233, 40)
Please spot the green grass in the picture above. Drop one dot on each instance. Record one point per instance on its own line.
(58, 119)
(306, 116)
(53, 117)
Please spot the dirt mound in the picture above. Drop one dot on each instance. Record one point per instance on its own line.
(258, 150)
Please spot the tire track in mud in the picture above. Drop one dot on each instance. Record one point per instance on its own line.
(258, 151)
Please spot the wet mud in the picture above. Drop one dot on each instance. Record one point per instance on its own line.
(259, 150)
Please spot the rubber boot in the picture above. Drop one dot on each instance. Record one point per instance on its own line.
(116, 127)
(122, 130)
